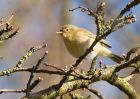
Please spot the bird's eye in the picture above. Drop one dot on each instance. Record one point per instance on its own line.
(67, 29)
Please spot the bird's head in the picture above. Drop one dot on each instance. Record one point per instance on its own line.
(67, 31)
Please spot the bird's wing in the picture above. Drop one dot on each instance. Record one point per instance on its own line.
(103, 42)
(91, 35)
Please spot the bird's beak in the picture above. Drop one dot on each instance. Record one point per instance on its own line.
(59, 32)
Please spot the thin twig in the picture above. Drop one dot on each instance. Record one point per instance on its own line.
(132, 51)
(95, 92)
(8, 21)
(84, 9)
(28, 54)
(13, 70)
(35, 83)
(11, 90)
(29, 81)
(53, 66)
(29, 88)
(128, 64)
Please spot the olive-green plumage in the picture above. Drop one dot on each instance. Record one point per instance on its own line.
(78, 40)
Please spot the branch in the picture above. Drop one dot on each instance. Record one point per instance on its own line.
(28, 54)
(13, 70)
(29, 86)
(125, 87)
(102, 32)
(128, 64)
(106, 74)
(52, 91)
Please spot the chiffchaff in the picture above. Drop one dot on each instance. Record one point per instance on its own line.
(78, 40)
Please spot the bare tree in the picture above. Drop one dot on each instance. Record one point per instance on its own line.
(72, 79)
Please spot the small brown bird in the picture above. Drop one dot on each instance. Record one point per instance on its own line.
(78, 40)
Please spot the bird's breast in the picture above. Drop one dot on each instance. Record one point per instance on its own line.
(77, 48)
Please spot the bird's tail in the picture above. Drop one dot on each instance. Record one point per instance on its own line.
(116, 58)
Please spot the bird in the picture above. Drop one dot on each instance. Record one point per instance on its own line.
(77, 40)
